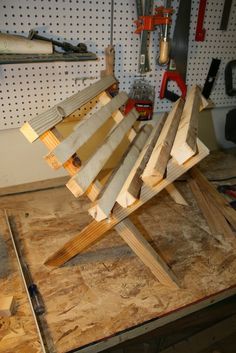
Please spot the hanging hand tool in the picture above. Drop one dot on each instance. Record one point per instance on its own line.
(172, 75)
(200, 31)
(211, 77)
(67, 47)
(139, 10)
(35, 296)
(179, 45)
(225, 15)
(110, 57)
(177, 67)
(144, 62)
(147, 23)
(230, 87)
(164, 37)
(141, 97)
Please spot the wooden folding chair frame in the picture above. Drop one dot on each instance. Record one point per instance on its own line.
(147, 163)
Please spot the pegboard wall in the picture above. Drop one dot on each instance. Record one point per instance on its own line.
(29, 89)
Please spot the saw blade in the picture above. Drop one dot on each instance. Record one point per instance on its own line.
(179, 46)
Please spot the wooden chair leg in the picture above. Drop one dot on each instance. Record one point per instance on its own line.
(132, 236)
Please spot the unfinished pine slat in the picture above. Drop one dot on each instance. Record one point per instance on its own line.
(222, 224)
(184, 145)
(51, 139)
(84, 132)
(95, 230)
(132, 236)
(6, 306)
(106, 201)
(176, 195)
(208, 212)
(105, 98)
(156, 166)
(132, 186)
(228, 212)
(47, 120)
(88, 172)
(204, 103)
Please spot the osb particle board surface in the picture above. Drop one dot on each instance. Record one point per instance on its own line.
(107, 289)
(18, 332)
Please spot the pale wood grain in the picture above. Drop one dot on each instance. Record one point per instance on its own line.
(156, 166)
(132, 236)
(185, 145)
(62, 152)
(107, 199)
(38, 125)
(96, 230)
(132, 186)
(88, 172)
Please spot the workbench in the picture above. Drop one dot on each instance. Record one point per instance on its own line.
(106, 295)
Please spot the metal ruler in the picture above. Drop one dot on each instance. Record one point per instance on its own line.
(25, 285)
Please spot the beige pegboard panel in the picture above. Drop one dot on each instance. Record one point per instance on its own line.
(28, 89)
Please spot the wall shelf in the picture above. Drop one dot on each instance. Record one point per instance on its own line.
(37, 58)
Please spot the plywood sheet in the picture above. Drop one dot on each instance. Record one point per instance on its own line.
(18, 333)
(107, 289)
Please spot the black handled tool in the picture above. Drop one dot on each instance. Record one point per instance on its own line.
(225, 15)
(80, 48)
(211, 77)
(229, 84)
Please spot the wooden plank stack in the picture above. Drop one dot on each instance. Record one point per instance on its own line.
(155, 157)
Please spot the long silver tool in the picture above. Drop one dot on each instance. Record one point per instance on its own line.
(37, 304)
(144, 64)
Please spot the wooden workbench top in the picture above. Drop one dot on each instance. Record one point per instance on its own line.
(107, 289)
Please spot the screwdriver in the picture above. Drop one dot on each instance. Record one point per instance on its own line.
(35, 296)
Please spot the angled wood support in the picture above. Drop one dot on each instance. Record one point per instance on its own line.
(215, 219)
(132, 186)
(184, 145)
(132, 236)
(84, 132)
(95, 230)
(176, 195)
(156, 166)
(217, 199)
(107, 199)
(47, 120)
(88, 172)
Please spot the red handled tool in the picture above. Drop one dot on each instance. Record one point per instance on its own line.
(172, 75)
(200, 31)
(177, 67)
